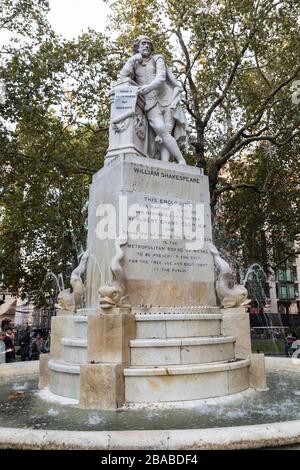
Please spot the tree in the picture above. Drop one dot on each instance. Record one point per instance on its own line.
(53, 137)
(236, 62)
(261, 224)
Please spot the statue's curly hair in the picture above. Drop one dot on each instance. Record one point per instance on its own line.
(138, 40)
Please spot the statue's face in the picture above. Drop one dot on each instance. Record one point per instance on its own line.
(145, 47)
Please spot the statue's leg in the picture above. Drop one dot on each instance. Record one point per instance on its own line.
(157, 122)
(164, 154)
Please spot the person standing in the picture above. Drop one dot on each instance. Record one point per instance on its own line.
(25, 343)
(9, 346)
(2, 347)
(290, 337)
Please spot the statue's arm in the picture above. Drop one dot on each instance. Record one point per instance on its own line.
(128, 69)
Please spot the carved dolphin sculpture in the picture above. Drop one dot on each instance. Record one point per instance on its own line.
(230, 294)
(114, 295)
(76, 282)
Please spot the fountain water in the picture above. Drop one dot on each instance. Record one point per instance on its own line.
(269, 328)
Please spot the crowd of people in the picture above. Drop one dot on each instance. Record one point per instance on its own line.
(24, 343)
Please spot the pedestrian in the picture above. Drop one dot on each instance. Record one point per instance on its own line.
(25, 343)
(9, 346)
(290, 337)
(2, 347)
(35, 347)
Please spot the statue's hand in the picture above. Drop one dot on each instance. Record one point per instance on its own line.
(144, 90)
(137, 57)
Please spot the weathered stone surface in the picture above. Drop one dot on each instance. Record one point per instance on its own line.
(64, 313)
(60, 326)
(44, 371)
(258, 379)
(187, 351)
(236, 323)
(236, 437)
(158, 271)
(177, 326)
(102, 386)
(109, 336)
(13, 369)
(238, 380)
(65, 384)
(182, 383)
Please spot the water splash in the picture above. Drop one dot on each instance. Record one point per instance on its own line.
(94, 419)
(19, 387)
(94, 277)
(52, 412)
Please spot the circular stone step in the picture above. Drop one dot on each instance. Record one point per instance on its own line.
(144, 343)
(59, 365)
(184, 383)
(80, 318)
(74, 350)
(64, 378)
(177, 316)
(75, 342)
(176, 351)
(178, 325)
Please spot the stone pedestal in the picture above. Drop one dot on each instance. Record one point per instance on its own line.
(258, 379)
(236, 323)
(44, 371)
(108, 338)
(173, 344)
(61, 326)
(159, 271)
(102, 386)
(102, 383)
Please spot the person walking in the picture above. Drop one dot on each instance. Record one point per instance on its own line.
(9, 346)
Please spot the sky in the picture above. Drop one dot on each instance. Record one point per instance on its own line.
(70, 17)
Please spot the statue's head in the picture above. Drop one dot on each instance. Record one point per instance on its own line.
(143, 45)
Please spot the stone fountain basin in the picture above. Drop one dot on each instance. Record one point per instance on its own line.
(267, 435)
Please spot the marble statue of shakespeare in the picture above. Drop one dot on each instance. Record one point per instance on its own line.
(162, 95)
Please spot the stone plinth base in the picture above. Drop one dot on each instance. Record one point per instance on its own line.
(102, 386)
(236, 323)
(109, 335)
(258, 379)
(44, 370)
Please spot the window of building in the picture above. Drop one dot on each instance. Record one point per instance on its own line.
(286, 292)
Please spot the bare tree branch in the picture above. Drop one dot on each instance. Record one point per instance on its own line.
(230, 149)
(234, 187)
(237, 62)
(191, 82)
(261, 72)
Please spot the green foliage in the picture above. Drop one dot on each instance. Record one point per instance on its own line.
(53, 137)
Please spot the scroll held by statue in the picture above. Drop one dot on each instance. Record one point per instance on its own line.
(124, 103)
